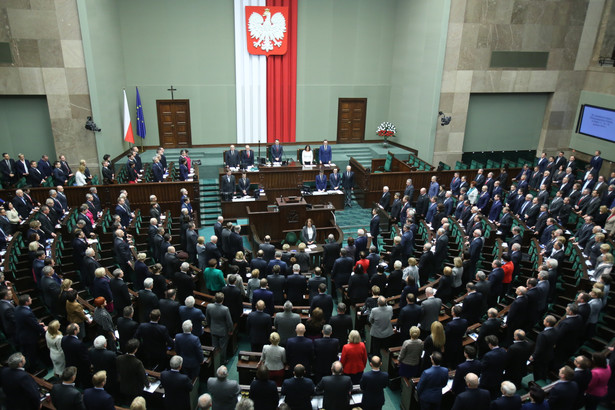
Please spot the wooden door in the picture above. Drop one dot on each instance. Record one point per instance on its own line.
(351, 119)
(174, 123)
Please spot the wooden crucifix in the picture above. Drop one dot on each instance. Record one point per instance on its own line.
(172, 89)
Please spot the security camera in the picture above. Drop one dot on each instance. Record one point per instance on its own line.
(445, 120)
(91, 125)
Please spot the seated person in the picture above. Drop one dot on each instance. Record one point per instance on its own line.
(307, 156)
(321, 181)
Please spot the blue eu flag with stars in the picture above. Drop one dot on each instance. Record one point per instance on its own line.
(140, 118)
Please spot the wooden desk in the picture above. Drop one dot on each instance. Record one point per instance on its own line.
(237, 208)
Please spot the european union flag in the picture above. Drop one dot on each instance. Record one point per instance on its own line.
(140, 118)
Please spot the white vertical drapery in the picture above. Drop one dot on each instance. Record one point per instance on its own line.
(250, 82)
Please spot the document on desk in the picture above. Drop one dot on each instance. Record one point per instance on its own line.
(152, 387)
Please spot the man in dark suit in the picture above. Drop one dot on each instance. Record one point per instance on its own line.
(342, 269)
(50, 289)
(409, 315)
(177, 386)
(493, 364)
(97, 397)
(188, 346)
(19, 387)
(441, 253)
(119, 289)
(396, 207)
(276, 151)
(582, 376)
(212, 251)
(131, 373)
(184, 282)
(563, 395)
(373, 384)
(227, 186)
(296, 285)
(314, 283)
(268, 249)
(65, 396)
(122, 251)
(472, 305)
(265, 295)
(7, 314)
(569, 334)
(336, 388)
(155, 339)
(258, 326)
(517, 314)
(169, 312)
(27, 330)
(429, 388)
(341, 324)
(348, 185)
(231, 158)
(476, 246)
(300, 349)
(326, 351)
(331, 250)
(7, 169)
(542, 357)
(473, 398)
(298, 390)
(431, 310)
(147, 300)
(247, 157)
(455, 331)
(76, 354)
(517, 356)
(385, 199)
(470, 365)
(126, 327)
(323, 301)
(235, 241)
(103, 359)
(426, 264)
(233, 299)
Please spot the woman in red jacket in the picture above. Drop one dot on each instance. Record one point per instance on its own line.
(354, 357)
(508, 267)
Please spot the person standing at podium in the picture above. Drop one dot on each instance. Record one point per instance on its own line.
(324, 153)
(244, 184)
(277, 152)
(227, 186)
(348, 185)
(247, 157)
(307, 156)
(335, 180)
(231, 158)
(321, 181)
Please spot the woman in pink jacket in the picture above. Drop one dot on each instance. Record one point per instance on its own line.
(598, 386)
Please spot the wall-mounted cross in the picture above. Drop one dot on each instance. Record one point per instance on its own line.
(172, 89)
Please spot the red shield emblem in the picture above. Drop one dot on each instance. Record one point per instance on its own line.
(267, 30)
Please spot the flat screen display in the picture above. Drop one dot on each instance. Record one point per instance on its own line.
(598, 122)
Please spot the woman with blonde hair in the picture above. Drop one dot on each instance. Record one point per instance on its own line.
(354, 357)
(241, 263)
(410, 354)
(433, 343)
(201, 253)
(457, 274)
(274, 358)
(53, 337)
(65, 287)
(80, 179)
(138, 404)
(254, 283)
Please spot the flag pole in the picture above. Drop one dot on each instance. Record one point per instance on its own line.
(124, 90)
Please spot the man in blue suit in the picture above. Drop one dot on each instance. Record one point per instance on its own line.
(496, 208)
(326, 349)
(472, 398)
(470, 366)
(258, 326)
(27, 329)
(431, 383)
(373, 384)
(157, 170)
(19, 387)
(596, 162)
(188, 346)
(563, 395)
(277, 151)
(493, 364)
(434, 187)
(360, 243)
(300, 349)
(231, 158)
(407, 244)
(97, 397)
(177, 386)
(456, 184)
(321, 181)
(324, 153)
(247, 157)
(265, 295)
(298, 390)
(45, 166)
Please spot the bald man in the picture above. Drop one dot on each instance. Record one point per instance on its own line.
(258, 326)
(473, 398)
(300, 349)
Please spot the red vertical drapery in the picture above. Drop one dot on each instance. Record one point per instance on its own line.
(282, 82)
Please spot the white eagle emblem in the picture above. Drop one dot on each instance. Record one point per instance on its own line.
(268, 31)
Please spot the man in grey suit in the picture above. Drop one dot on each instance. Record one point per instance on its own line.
(220, 323)
(285, 322)
(223, 391)
(381, 329)
(430, 311)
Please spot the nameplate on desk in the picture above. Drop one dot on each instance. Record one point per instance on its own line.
(244, 199)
